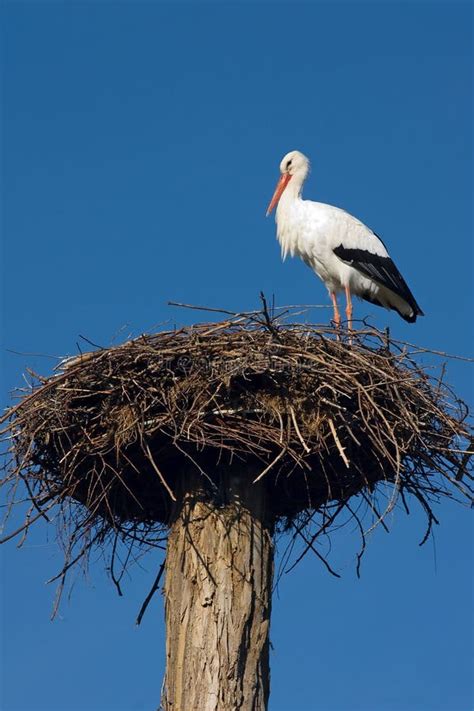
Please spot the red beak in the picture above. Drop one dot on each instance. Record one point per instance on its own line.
(281, 185)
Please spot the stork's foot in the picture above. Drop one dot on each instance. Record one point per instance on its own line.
(349, 324)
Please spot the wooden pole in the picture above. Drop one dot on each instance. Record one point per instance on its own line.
(218, 586)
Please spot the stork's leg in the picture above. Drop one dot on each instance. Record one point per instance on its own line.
(337, 315)
(348, 308)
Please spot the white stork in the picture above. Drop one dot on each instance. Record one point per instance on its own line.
(343, 252)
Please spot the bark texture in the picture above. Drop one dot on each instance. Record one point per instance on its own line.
(219, 570)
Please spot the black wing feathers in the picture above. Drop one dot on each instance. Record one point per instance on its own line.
(380, 269)
(373, 300)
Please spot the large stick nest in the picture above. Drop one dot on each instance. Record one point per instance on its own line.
(110, 439)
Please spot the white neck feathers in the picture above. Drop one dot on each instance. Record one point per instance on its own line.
(289, 214)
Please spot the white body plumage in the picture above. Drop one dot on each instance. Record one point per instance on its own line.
(343, 252)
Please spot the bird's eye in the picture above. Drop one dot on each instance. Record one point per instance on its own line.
(288, 165)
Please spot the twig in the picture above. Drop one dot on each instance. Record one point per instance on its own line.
(162, 479)
(153, 590)
(270, 466)
(338, 443)
(297, 430)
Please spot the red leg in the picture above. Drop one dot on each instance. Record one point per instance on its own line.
(348, 308)
(337, 315)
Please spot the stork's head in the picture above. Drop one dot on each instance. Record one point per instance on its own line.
(294, 162)
(294, 166)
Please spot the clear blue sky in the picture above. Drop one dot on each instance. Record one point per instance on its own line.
(141, 144)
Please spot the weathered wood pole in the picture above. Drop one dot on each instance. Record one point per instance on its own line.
(218, 587)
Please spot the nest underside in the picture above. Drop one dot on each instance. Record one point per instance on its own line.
(312, 418)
